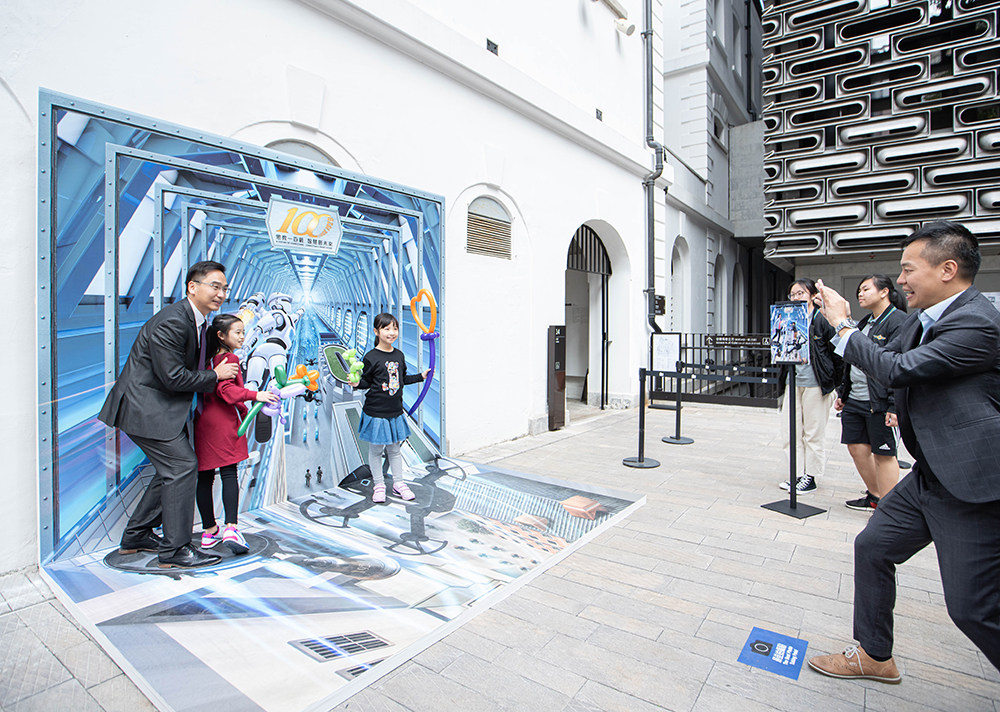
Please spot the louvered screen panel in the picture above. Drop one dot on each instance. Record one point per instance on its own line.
(488, 236)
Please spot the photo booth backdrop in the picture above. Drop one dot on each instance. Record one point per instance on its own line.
(126, 204)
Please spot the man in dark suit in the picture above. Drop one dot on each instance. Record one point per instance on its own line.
(151, 402)
(944, 364)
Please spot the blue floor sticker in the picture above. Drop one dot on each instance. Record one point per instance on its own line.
(774, 652)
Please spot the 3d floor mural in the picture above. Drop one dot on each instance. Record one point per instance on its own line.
(335, 590)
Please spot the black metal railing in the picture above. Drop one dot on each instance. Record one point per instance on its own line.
(706, 360)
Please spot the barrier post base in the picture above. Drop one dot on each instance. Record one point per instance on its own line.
(645, 463)
(677, 440)
(800, 511)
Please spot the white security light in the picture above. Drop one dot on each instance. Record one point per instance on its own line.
(625, 27)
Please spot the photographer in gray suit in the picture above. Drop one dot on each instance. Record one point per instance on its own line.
(151, 402)
(944, 364)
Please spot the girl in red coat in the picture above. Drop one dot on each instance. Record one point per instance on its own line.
(215, 440)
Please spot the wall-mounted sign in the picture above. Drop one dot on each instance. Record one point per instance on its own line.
(303, 227)
(741, 341)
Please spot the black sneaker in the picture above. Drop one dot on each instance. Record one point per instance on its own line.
(868, 503)
(803, 485)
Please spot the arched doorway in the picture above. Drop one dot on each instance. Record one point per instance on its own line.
(588, 269)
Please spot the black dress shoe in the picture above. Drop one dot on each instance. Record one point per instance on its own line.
(187, 557)
(147, 542)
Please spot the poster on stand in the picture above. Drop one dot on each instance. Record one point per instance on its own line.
(789, 333)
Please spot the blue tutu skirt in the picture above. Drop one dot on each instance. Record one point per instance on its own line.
(383, 431)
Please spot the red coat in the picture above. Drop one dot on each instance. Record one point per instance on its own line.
(215, 440)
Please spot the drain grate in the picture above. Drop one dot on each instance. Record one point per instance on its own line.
(352, 672)
(338, 646)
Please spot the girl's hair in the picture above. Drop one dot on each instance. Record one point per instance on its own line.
(383, 320)
(220, 325)
(807, 284)
(880, 281)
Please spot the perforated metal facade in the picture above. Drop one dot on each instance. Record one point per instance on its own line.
(878, 116)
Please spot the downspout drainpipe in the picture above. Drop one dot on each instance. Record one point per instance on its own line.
(649, 183)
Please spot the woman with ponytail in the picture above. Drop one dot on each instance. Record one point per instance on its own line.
(868, 413)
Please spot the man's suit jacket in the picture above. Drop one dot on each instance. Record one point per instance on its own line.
(153, 394)
(947, 392)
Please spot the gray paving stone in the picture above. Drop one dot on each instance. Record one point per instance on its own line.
(622, 672)
(422, 690)
(68, 695)
(670, 651)
(438, 656)
(782, 694)
(370, 700)
(595, 697)
(622, 621)
(511, 632)
(474, 644)
(508, 689)
(546, 617)
(88, 663)
(18, 591)
(541, 671)
(554, 600)
(119, 694)
(52, 628)
(26, 665)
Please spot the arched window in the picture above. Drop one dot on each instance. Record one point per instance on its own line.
(488, 229)
(296, 147)
(679, 287)
(721, 296)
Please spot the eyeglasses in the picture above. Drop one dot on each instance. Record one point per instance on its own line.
(214, 286)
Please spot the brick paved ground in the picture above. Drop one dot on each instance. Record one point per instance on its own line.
(651, 615)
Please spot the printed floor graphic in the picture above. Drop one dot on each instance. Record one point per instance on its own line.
(336, 591)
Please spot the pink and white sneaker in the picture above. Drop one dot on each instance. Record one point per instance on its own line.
(378, 494)
(234, 540)
(402, 491)
(210, 540)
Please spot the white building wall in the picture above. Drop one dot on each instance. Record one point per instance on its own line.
(404, 91)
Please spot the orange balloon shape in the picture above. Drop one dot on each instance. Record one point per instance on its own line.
(434, 310)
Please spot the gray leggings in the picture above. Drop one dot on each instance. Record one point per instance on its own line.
(375, 461)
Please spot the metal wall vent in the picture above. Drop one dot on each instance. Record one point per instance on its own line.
(773, 220)
(978, 56)
(488, 229)
(877, 183)
(800, 45)
(794, 94)
(989, 140)
(883, 129)
(333, 647)
(772, 122)
(932, 150)
(793, 193)
(828, 62)
(796, 143)
(822, 13)
(772, 171)
(947, 92)
(827, 113)
(989, 199)
(967, 5)
(770, 27)
(790, 244)
(976, 172)
(834, 215)
(771, 74)
(986, 113)
(924, 207)
(942, 36)
(352, 672)
(828, 163)
(880, 23)
(875, 239)
(898, 73)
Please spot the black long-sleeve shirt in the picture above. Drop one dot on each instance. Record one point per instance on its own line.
(384, 376)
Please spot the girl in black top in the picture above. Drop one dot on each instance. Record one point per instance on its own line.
(383, 425)
(868, 412)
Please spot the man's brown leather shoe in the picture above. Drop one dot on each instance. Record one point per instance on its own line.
(855, 663)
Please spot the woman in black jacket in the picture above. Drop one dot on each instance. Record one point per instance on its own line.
(868, 413)
(814, 390)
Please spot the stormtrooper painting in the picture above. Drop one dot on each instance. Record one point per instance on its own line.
(270, 339)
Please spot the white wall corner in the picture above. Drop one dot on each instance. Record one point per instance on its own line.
(305, 96)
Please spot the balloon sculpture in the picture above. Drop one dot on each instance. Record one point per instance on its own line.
(429, 335)
(283, 387)
(354, 367)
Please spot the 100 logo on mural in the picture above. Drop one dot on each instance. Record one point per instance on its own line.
(299, 226)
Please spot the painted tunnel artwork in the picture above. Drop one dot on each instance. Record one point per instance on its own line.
(333, 584)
